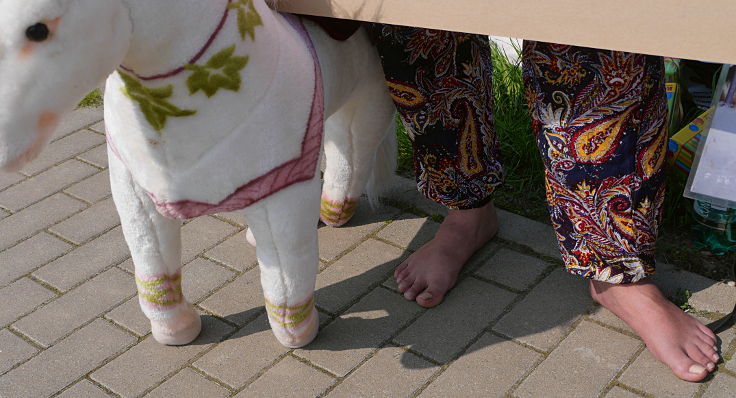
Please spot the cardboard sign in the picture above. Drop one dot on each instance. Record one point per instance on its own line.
(703, 30)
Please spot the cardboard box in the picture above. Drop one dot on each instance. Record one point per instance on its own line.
(675, 28)
(683, 145)
(674, 107)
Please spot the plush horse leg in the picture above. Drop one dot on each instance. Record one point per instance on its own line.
(285, 226)
(155, 245)
(352, 139)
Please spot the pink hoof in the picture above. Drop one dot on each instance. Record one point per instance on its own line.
(293, 326)
(337, 213)
(180, 329)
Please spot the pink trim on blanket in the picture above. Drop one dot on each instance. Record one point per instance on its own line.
(294, 171)
(192, 61)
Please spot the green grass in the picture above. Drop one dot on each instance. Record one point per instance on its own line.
(92, 100)
(523, 192)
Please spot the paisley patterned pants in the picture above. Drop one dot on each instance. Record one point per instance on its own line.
(441, 84)
(599, 120)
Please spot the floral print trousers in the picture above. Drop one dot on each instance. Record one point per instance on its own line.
(441, 85)
(599, 121)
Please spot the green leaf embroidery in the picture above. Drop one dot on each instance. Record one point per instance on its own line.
(248, 18)
(152, 101)
(222, 71)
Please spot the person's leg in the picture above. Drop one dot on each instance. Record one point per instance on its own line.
(599, 119)
(441, 84)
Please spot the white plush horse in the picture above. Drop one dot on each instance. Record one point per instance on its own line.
(212, 105)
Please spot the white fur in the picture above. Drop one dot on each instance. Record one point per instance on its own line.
(234, 137)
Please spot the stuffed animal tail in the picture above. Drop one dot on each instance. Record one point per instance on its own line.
(384, 167)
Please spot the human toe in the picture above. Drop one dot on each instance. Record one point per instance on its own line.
(430, 298)
(400, 269)
(414, 290)
(710, 351)
(707, 334)
(696, 354)
(686, 368)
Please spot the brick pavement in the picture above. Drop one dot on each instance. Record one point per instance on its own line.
(515, 325)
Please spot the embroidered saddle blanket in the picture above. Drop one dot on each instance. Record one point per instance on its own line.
(228, 129)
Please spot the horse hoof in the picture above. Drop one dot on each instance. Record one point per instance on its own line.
(250, 238)
(294, 326)
(180, 329)
(337, 213)
(290, 340)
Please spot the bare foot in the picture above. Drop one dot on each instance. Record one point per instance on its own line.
(428, 274)
(675, 338)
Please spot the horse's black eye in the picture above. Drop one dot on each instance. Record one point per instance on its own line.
(38, 32)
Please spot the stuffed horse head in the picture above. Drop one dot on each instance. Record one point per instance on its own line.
(52, 52)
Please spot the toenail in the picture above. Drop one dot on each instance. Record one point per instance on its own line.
(425, 296)
(716, 357)
(697, 369)
(711, 366)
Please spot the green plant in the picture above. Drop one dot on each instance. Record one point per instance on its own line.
(92, 100)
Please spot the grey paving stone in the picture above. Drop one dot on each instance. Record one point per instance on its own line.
(97, 156)
(77, 120)
(7, 179)
(201, 276)
(481, 257)
(489, 369)
(404, 191)
(466, 311)
(512, 269)
(355, 273)
(241, 357)
(89, 223)
(289, 378)
(707, 295)
(344, 343)
(29, 255)
(651, 376)
(240, 301)
(34, 218)
(83, 262)
(540, 237)
(64, 149)
(334, 241)
(723, 385)
(585, 354)
(92, 189)
(65, 362)
(84, 389)
(20, 298)
(13, 350)
(98, 127)
(236, 217)
(189, 384)
(410, 231)
(234, 252)
(127, 265)
(130, 316)
(618, 392)
(201, 234)
(149, 363)
(59, 317)
(4, 213)
(45, 184)
(546, 314)
(392, 372)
